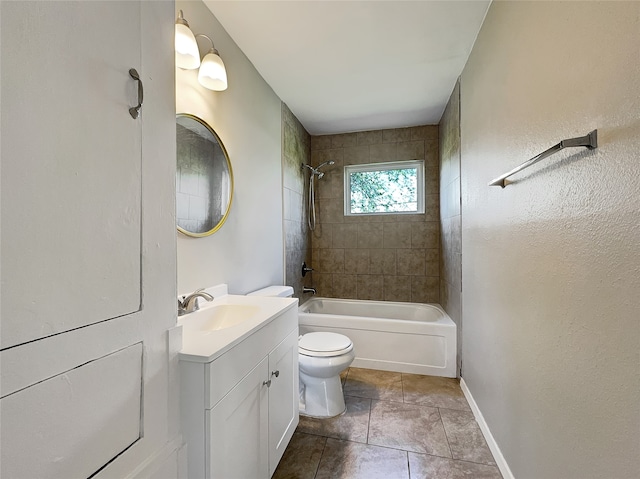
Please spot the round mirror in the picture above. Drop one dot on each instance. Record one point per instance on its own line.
(204, 180)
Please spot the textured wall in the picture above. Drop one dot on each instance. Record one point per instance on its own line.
(551, 263)
(296, 150)
(381, 257)
(450, 219)
(247, 251)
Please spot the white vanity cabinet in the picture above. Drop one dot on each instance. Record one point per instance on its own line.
(284, 397)
(240, 410)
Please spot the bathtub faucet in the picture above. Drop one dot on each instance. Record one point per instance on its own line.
(309, 290)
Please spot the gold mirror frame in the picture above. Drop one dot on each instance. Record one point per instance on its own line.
(199, 167)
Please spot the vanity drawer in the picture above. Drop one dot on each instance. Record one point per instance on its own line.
(223, 373)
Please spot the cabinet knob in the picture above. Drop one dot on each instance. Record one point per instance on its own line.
(267, 383)
(275, 373)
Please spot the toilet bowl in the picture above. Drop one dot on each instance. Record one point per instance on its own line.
(322, 356)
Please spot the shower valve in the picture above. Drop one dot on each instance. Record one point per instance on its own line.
(305, 269)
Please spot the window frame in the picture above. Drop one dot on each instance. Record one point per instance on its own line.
(386, 166)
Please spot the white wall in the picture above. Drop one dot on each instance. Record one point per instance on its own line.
(551, 263)
(247, 252)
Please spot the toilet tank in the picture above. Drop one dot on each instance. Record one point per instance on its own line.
(279, 291)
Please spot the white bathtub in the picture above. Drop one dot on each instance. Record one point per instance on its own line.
(403, 337)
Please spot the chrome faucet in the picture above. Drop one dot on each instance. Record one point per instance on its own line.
(309, 290)
(189, 303)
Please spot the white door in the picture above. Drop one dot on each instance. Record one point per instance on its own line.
(237, 430)
(81, 358)
(71, 166)
(283, 397)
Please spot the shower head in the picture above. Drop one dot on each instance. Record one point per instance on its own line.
(316, 171)
(330, 162)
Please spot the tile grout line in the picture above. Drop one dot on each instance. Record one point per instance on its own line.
(384, 447)
(321, 456)
(484, 440)
(369, 421)
(445, 433)
(386, 400)
(397, 448)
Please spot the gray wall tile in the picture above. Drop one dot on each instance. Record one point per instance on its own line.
(450, 219)
(384, 257)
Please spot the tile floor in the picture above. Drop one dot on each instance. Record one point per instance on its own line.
(397, 426)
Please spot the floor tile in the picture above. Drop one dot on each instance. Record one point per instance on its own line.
(410, 427)
(433, 391)
(465, 437)
(350, 460)
(432, 434)
(301, 458)
(422, 466)
(374, 384)
(352, 425)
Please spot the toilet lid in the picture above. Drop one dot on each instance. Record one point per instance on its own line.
(324, 344)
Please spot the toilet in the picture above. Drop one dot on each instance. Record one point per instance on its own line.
(322, 356)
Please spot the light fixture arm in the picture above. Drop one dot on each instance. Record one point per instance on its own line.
(213, 48)
(181, 19)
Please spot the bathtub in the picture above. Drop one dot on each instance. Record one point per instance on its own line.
(403, 337)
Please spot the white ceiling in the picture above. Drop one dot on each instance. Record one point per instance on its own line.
(346, 66)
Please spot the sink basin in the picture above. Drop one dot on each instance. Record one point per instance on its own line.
(229, 319)
(222, 316)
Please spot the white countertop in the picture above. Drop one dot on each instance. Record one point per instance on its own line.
(205, 346)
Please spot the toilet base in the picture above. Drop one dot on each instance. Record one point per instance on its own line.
(321, 397)
(302, 414)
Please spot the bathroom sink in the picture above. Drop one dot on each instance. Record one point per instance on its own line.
(226, 321)
(223, 316)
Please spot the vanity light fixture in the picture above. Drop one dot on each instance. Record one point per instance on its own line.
(212, 73)
(187, 54)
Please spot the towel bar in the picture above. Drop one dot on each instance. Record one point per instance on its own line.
(590, 141)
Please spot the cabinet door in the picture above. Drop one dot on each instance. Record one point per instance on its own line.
(71, 166)
(237, 430)
(283, 397)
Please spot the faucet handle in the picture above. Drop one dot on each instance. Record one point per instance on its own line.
(181, 306)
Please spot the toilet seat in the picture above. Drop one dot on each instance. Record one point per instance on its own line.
(324, 344)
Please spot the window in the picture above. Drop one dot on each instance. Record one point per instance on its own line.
(384, 188)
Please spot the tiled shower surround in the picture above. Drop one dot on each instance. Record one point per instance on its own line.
(450, 217)
(393, 257)
(296, 151)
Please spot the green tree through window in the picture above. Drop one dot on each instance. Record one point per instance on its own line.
(384, 188)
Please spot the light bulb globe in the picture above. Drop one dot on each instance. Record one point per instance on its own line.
(187, 54)
(213, 74)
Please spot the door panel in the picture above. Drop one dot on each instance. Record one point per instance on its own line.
(76, 422)
(71, 166)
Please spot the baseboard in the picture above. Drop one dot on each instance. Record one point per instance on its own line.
(491, 442)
